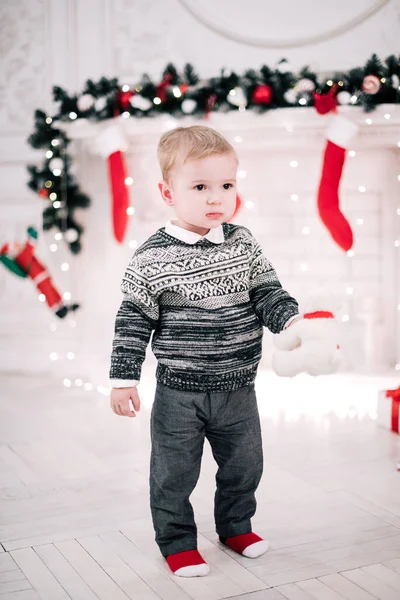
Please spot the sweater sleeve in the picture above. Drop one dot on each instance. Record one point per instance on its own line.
(274, 306)
(136, 318)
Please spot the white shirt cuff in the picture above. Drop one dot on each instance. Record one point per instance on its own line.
(123, 383)
(290, 320)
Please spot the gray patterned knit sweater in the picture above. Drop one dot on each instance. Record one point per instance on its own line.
(206, 303)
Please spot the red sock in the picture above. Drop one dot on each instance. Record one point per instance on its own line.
(189, 558)
(247, 544)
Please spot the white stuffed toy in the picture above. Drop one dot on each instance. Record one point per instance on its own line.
(309, 344)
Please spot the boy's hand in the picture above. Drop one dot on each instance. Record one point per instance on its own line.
(125, 401)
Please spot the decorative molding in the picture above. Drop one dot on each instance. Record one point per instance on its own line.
(23, 35)
(192, 6)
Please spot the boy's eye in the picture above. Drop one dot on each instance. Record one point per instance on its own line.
(200, 187)
(227, 186)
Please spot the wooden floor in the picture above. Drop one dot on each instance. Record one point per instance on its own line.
(75, 520)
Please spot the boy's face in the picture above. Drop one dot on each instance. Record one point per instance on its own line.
(202, 192)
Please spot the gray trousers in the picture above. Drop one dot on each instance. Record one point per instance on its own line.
(179, 423)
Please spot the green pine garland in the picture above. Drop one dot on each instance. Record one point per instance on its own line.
(108, 98)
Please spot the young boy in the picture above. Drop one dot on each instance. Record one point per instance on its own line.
(206, 290)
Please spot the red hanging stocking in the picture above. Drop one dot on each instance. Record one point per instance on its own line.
(111, 145)
(237, 207)
(339, 134)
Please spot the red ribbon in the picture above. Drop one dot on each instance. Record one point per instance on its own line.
(319, 314)
(395, 396)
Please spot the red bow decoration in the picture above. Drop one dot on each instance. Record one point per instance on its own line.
(162, 87)
(395, 396)
(325, 103)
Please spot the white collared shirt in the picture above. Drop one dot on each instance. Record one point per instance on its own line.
(215, 235)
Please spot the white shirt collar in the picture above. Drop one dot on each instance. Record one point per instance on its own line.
(216, 235)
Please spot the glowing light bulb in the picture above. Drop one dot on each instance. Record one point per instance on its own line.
(133, 244)
(242, 174)
(294, 197)
(345, 318)
(387, 116)
(58, 236)
(368, 121)
(67, 295)
(125, 88)
(88, 387)
(70, 355)
(304, 267)
(53, 248)
(350, 291)
(176, 91)
(130, 210)
(65, 267)
(73, 115)
(67, 383)
(42, 298)
(352, 153)
(350, 253)
(294, 164)
(53, 356)
(360, 221)
(126, 114)
(362, 188)
(305, 230)
(249, 204)
(129, 180)
(157, 100)
(49, 154)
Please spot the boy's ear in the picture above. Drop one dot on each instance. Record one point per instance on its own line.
(165, 192)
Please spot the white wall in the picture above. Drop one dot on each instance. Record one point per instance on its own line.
(47, 42)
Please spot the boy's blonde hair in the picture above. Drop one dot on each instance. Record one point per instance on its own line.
(190, 143)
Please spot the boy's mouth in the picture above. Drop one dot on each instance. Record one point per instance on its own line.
(214, 215)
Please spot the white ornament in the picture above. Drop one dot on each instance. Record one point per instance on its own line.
(290, 96)
(188, 106)
(344, 97)
(304, 85)
(100, 103)
(85, 102)
(237, 97)
(56, 163)
(71, 235)
(283, 67)
(395, 81)
(141, 103)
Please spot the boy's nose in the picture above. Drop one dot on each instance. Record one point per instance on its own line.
(214, 199)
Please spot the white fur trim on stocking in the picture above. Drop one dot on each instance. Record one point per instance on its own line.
(341, 131)
(110, 140)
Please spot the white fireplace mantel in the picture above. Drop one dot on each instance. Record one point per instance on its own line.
(275, 129)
